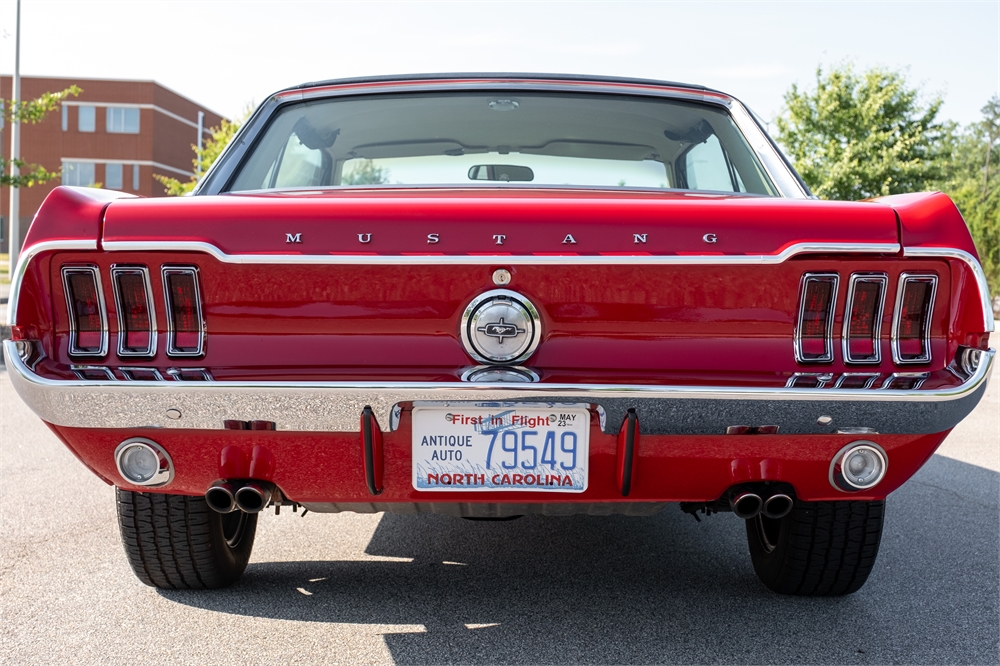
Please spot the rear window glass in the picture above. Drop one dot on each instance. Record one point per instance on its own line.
(484, 139)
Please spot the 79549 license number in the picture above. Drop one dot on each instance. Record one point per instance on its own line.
(467, 447)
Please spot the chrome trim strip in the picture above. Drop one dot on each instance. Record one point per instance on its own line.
(921, 377)
(336, 406)
(883, 280)
(128, 370)
(822, 379)
(27, 254)
(166, 271)
(177, 374)
(504, 259)
(830, 315)
(78, 370)
(144, 272)
(904, 279)
(974, 266)
(872, 377)
(95, 272)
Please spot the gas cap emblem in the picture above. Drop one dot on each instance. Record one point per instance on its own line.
(500, 327)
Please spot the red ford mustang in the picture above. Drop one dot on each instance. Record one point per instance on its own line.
(489, 296)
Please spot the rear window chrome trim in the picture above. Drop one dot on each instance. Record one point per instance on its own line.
(775, 166)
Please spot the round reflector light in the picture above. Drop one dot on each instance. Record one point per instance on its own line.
(858, 466)
(143, 462)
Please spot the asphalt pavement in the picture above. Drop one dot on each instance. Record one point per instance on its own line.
(351, 589)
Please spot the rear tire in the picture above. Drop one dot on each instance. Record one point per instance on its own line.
(819, 549)
(177, 542)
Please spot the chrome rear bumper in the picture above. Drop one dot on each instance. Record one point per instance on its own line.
(336, 407)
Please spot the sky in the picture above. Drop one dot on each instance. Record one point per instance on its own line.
(226, 54)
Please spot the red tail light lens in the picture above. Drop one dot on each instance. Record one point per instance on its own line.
(911, 325)
(186, 333)
(88, 319)
(814, 334)
(137, 332)
(863, 324)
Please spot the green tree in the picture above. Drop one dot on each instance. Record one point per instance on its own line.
(973, 181)
(365, 173)
(204, 157)
(860, 136)
(30, 112)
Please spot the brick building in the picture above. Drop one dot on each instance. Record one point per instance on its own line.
(117, 133)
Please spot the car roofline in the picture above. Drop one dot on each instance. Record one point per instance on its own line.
(499, 76)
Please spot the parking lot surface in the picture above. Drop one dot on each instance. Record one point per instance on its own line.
(348, 589)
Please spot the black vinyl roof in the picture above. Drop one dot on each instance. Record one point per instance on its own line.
(499, 76)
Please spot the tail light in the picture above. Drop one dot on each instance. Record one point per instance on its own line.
(186, 328)
(863, 318)
(136, 321)
(814, 333)
(88, 319)
(911, 323)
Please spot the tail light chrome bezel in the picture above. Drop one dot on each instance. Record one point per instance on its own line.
(95, 273)
(172, 350)
(831, 310)
(876, 278)
(124, 351)
(905, 279)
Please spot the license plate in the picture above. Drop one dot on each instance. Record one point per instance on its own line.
(463, 447)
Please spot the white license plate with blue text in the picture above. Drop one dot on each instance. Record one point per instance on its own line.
(462, 446)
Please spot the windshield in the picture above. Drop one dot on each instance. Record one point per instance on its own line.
(482, 139)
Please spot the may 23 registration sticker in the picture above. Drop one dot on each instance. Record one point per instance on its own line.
(485, 446)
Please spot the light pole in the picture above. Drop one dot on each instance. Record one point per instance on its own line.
(14, 237)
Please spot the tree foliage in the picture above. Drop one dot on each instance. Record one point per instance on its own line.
(973, 181)
(30, 112)
(365, 173)
(204, 157)
(861, 136)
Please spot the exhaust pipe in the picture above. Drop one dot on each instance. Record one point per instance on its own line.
(254, 496)
(777, 506)
(221, 498)
(745, 505)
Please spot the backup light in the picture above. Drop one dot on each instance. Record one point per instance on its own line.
(143, 462)
(858, 466)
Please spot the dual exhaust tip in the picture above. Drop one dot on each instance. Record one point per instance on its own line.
(747, 505)
(248, 496)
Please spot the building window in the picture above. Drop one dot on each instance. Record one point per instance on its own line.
(85, 118)
(79, 174)
(135, 177)
(123, 120)
(113, 177)
(65, 118)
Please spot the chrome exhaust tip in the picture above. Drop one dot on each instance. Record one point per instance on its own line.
(777, 506)
(253, 497)
(746, 505)
(220, 498)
